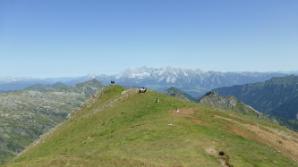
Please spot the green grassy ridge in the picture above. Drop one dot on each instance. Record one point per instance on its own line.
(137, 131)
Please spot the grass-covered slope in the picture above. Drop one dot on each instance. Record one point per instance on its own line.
(123, 128)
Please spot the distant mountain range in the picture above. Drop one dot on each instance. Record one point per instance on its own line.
(192, 81)
(277, 97)
(13, 84)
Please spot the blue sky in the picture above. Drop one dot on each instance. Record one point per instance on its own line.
(54, 38)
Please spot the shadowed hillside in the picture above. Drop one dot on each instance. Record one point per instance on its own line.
(277, 97)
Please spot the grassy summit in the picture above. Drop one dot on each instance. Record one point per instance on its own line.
(123, 128)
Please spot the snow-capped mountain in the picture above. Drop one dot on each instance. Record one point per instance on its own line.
(168, 74)
(193, 81)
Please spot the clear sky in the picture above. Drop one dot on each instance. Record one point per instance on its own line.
(53, 38)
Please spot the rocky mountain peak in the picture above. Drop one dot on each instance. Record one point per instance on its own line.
(213, 99)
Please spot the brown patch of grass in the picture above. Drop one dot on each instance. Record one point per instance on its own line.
(282, 142)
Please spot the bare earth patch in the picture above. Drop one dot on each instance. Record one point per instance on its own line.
(221, 156)
(188, 113)
(183, 111)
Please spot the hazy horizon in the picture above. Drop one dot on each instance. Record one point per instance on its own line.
(136, 68)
